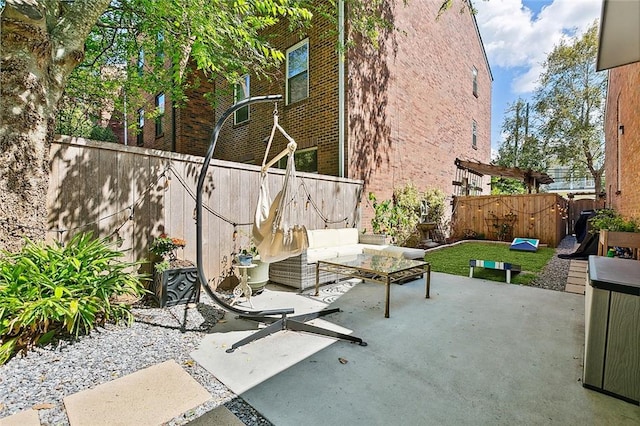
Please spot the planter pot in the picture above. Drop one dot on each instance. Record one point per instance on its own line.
(258, 277)
(245, 259)
(177, 286)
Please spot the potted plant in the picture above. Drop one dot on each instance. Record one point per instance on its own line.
(258, 276)
(615, 231)
(175, 280)
(245, 257)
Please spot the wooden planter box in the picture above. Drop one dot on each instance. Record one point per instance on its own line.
(618, 239)
(177, 286)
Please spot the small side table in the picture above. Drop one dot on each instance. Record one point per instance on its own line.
(243, 288)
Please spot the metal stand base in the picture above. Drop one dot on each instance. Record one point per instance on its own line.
(294, 323)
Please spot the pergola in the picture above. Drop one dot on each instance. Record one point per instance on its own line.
(530, 177)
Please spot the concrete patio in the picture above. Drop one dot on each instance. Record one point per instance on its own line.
(477, 352)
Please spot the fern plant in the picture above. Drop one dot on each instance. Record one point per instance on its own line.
(53, 290)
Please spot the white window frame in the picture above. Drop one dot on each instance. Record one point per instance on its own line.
(140, 63)
(474, 134)
(159, 125)
(140, 134)
(246, 87)
(289, 50)
(282, 163)
(474, 72)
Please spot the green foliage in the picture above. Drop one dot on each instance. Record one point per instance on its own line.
(180, 43)
(610, 220)
(400, 216)
(455, 260)
(165, 246)
(51, 290)
(570, 106)
(184, 42)
(520, 147)
(500, 185)
(102, 134)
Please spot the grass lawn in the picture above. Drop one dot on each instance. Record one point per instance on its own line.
(455, 260)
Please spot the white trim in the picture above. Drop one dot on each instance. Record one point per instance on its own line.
(282, 162)
(341, 89)
(286, 74)
(246, 88)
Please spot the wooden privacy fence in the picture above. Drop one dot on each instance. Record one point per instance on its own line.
(137, 194)
(504, 217)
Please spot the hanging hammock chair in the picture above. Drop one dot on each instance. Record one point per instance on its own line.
(275, 231)
(277, 237)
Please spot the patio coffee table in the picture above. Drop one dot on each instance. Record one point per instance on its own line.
(377, 268)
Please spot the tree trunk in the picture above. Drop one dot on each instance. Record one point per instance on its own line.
(40, 45)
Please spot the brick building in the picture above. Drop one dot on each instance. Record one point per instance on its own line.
(622, 140)
(619, 52)
(409, 108)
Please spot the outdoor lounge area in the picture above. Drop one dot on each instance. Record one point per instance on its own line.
(475, 352)
(284, 213)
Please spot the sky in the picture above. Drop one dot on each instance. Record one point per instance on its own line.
(518, 35)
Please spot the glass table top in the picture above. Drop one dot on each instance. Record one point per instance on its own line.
(375, 263)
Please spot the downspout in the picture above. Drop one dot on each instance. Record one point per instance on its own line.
(126, 124)
(341, 88)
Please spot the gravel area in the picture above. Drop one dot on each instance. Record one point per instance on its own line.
(46, 375)
(555, 273)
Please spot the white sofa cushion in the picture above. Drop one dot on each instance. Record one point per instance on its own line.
(319, 238)
(322, 253)
(330, 243)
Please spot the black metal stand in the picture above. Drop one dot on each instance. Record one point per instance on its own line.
(295, 323)
(269, 316)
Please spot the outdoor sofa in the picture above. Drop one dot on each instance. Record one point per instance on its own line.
(300, 271)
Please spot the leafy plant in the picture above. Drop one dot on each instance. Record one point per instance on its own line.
(53, 290)
(165, 246)
(610, 220)
(246, 243)
(400, 216)
(162, 266)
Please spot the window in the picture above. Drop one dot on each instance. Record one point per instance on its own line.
(475, 81)
(140, 135)
(474, 131)
(160, 112)
(140, 62)
(306, 160)
(298, 72)
(160, 46)
(241, 91)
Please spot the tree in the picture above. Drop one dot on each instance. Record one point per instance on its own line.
(88, 47)
(42, 42)
(570, 104)
(520, 148)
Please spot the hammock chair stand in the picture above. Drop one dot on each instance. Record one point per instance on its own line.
(277, 319)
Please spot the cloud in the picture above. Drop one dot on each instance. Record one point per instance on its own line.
(516, 37)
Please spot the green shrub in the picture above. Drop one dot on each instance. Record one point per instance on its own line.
(400, 216)
(99, 133)
(610, 220)
(51, 290)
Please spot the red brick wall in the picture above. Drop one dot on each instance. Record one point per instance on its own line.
(411, 103)
(312, 122)
(196, 119)
(150, 140)
(622, 150)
